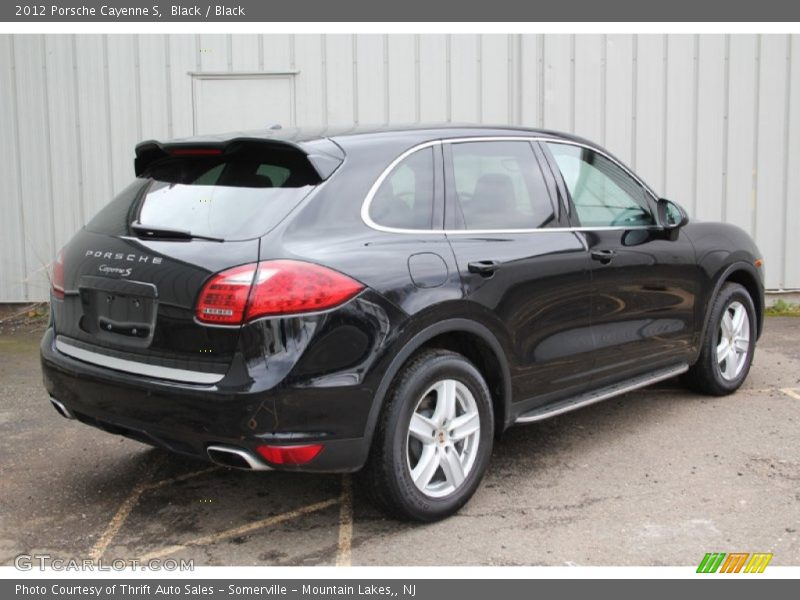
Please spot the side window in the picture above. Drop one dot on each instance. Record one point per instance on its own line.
(405, 198)
(499, 185)
(604, 195)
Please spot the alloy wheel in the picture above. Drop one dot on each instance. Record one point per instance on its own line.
(443, 437)
(733, 341)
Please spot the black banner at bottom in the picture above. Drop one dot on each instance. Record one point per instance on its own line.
(406, 589)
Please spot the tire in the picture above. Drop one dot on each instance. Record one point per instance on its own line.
(710, 375)
(397, 454)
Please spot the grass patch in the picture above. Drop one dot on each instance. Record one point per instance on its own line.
(781, 308)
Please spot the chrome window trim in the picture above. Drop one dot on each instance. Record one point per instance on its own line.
(137, 368)
(365, 206)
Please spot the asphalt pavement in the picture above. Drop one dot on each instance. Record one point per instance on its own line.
(656, 477)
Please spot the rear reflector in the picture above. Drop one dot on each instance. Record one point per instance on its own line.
(58, 275)
(290, 455)
(279, 287)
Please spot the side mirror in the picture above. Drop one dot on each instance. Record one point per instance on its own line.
(671, 215)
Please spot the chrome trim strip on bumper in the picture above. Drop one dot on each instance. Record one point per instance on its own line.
(137, 368)
(603, 394)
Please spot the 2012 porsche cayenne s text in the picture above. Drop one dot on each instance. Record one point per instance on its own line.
(386, 301)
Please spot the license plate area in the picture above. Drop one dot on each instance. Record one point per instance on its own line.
(118, 311)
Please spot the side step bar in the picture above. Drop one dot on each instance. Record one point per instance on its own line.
(563, 406)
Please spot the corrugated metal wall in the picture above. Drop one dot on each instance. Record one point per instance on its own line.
(712, 121)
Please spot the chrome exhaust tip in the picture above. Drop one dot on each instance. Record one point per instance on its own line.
(236, 458)
(62, 410)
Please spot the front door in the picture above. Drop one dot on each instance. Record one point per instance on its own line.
(644, 287)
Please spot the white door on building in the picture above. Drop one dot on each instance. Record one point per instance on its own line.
(224, 103)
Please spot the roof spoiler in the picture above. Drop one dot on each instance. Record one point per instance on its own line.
(324, 161)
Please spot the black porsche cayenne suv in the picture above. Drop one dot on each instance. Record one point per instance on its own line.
(386, 301)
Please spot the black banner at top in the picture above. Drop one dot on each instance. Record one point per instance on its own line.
(443, 11)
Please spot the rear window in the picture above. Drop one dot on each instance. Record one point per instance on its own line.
(233, 197)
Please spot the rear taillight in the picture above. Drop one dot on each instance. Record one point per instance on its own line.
(290, 455)
(224, 298)
(58, 275)
(279, 287)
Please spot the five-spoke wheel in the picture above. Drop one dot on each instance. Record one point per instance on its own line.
(443, 437)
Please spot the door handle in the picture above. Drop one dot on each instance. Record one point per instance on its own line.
(604, 256)
(484, 268)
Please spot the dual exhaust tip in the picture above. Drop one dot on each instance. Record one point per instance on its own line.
(237, 458)
(61, 409)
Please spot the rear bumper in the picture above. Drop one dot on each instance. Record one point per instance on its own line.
(188, 418)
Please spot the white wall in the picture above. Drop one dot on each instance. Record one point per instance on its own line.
(712, 121)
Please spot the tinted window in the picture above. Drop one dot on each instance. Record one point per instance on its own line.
(405, 198)
(231, 197)
(499, 185)
(604, 195)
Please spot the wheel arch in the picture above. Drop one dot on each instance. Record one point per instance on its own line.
(745, 275)
(467, 337)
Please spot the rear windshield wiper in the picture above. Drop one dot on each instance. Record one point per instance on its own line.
(164, 233)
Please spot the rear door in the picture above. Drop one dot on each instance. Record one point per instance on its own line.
(643, 282)
(133, 274)
(518, 263)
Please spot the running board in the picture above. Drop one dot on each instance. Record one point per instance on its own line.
(564, 406)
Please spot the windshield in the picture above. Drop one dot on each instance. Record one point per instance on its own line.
(228, 197)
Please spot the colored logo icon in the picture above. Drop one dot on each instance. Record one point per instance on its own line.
(736, 562)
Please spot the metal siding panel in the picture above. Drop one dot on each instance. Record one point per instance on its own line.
(310, 95)
(495, 82)
(64, 151)
(370, 79)
(12, 258)
(679, 130)
(94, 124)
(619, 96)
(530, 70)
(124, 107)
(36, 185)
(711, 106)
(245, 52)
(650, 109)
(339, 77)
(183, 59)
(402, 80)
(791, 250)
(432, 78)
(277, 51)
(742, 92)
(558, 91)
(214, 53)
(771, 161)
(465, 86)
(589, 86)
(154, 89)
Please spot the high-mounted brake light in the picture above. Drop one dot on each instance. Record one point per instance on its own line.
(58, 275)
(290, 455)
(195, 151)
(279, 287)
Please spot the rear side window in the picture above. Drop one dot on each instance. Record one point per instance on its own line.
(233, 197)
(499, 185)
(405, 198)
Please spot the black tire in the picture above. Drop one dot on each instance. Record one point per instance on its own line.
(706, 375)
(387, 475)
